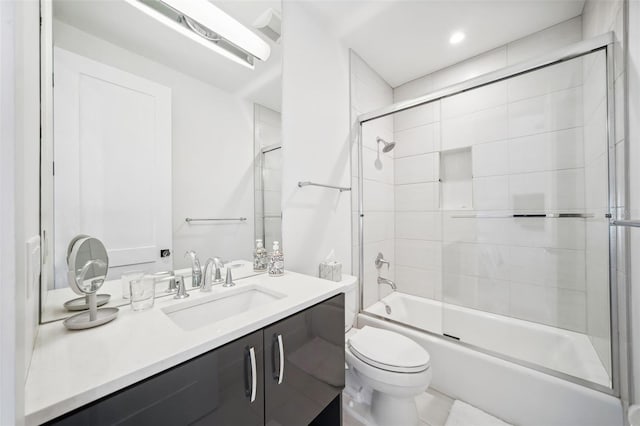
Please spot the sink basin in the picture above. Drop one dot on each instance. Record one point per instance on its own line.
(208, 310)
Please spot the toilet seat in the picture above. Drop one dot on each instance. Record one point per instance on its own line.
(388, 351)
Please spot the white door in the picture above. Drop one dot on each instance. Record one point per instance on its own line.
(112, 164)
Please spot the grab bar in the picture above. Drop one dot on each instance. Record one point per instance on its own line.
(190, 219)
(339, 188)
(524, 215)
(630, 223)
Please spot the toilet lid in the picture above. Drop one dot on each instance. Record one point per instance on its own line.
(388, 350)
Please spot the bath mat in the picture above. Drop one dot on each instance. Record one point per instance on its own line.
(463, 414)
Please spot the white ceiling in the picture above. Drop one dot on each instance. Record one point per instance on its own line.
(123, 25)
(403, 39)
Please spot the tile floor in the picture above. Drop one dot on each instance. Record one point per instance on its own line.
(433, 409)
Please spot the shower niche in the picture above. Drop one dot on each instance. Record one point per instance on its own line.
(456, 179)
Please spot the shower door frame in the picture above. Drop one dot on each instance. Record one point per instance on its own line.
(618, 311)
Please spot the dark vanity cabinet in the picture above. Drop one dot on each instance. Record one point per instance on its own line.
(304, 363)
(212, 389)
(289, 373)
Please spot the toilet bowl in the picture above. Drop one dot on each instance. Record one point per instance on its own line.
(385, 370)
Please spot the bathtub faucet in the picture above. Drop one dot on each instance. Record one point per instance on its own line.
(387, 282)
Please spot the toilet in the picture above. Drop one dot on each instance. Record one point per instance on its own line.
(385, 370)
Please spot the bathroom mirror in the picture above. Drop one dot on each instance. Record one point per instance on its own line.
(154, 137)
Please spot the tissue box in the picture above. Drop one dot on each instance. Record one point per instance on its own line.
(331, 271)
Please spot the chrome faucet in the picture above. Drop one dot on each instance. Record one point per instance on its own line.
(167, 276)
(217, 279)
(388, 282)
(196, 269)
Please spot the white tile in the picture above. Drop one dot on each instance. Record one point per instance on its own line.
(456, 229)
(493, 296)
(417, 116)
(417, 140)
(491, 193)
(418, 282)
(490, 159)
(474, 100)
(543, 81)
(561, 149)
(378, 226)
(376, 166)
(460, 258)
(459, 289)
(419, 168)
(547, 191)
(417, 196)
(555, 111)
(482, 126)
(377, 196)
(547, 267)
(595, 134)
(418, 225)
(418, 253)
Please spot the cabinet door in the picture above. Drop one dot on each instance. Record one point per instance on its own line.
(222, 387)
(304, 363)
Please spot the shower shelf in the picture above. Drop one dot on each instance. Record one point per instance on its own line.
(525, 215)
(339, 188)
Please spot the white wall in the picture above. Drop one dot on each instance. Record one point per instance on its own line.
(21, 215)
(633, 99)
(212, 151)
(8, 285)
(315, 138)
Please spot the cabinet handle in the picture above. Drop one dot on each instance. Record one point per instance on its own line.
(280, 375)
(250, 388)
(254, 374)
(281, 350)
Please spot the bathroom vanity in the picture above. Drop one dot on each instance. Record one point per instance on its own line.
(278, 363)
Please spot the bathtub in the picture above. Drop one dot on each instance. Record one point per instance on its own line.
(494, 384)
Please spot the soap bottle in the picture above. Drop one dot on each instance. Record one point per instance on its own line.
(260, 257)
(276, 261)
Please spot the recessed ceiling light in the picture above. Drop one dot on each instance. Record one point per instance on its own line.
(456, 37)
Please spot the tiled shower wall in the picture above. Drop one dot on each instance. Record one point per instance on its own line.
(369, 92)
(525, 154)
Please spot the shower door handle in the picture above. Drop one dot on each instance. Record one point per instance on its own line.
(629, 223)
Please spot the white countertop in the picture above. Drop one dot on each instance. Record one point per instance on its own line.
(53, 307)
(72, 368)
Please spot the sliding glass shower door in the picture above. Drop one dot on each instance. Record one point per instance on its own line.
(491, 208)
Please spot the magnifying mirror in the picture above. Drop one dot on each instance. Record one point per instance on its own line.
(88, 265)
(82, 303)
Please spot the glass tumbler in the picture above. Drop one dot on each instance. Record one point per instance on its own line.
(126, 282)
(143, 291)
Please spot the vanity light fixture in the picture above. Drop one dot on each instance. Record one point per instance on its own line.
(457, 37)
(209, 26)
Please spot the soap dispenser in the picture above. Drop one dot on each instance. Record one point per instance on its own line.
(276, 261)
(260, 257)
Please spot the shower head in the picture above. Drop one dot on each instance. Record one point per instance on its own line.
(386, 146)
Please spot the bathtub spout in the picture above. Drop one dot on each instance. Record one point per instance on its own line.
(387, 282)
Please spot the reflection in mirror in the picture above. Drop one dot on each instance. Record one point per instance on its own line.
(149, 131)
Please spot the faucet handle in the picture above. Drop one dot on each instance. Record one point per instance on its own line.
(380, 260)
(229, 281)
(181, 292)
